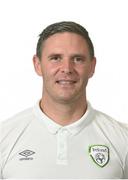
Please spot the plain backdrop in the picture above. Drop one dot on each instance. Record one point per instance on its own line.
(21, 21)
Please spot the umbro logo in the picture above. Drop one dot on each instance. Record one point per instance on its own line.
(26, 155)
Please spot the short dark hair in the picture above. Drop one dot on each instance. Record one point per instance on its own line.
(60, 27)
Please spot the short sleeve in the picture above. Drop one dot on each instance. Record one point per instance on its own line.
(0, 153)
(126, 168)
(126, 159)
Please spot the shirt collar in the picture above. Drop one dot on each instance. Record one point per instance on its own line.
(73, 128)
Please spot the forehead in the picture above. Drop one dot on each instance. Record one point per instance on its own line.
(65, 39)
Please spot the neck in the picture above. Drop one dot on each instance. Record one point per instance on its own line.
(63, 113)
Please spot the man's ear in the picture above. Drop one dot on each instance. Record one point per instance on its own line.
(92, 68)
(37, 65)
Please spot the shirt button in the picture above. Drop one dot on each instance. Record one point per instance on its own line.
(64, 131)
(61, 156)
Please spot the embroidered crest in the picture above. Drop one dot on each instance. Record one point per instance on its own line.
(99, 154)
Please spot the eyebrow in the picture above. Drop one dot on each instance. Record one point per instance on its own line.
(72, 55)
(54, 54)
(79, 55)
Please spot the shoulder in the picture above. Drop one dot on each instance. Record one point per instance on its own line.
(112, 127)
(18, 118)
(110, 121)
(16, 122)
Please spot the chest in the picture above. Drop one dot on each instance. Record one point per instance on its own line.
(44, 155)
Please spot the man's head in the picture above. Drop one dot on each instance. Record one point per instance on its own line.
(61, 27)
(65, 60)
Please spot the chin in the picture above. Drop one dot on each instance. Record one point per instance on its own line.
(66, 99)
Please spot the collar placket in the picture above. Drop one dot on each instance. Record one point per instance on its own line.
(62, 146)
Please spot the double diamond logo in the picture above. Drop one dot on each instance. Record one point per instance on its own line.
(99, 154)
(26, 154)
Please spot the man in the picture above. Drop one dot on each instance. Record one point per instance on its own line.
(62, 136)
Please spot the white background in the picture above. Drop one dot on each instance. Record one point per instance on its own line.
(20, 23)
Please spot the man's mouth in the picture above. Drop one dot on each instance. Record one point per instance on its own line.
(65, 82)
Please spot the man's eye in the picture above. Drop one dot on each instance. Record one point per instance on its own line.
(55, 58)
(78, 60)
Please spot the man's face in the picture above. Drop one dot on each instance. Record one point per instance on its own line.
(65, 66)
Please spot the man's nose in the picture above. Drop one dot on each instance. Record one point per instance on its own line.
(67, 66)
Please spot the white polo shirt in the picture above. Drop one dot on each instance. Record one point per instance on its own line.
(34, 146)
